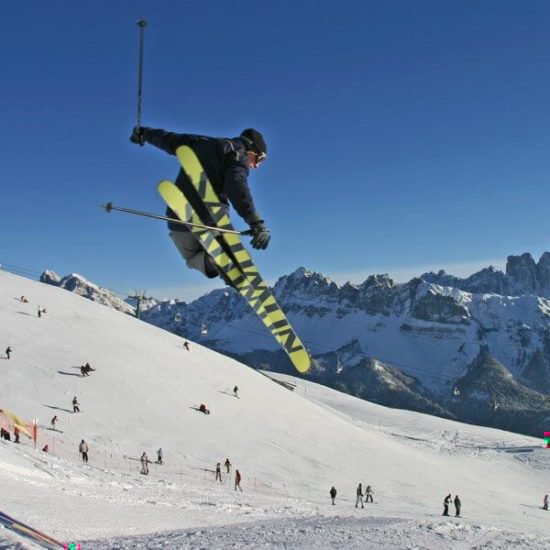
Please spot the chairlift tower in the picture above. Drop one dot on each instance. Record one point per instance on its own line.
(139, 297)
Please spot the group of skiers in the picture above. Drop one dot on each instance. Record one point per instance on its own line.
(359, 495)
(25, 300)
(86, 369)
(205, 410)
(369, 492)
(145, 461)
(447, 503)
(228, 465)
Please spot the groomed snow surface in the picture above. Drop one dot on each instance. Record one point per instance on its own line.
(290, 447)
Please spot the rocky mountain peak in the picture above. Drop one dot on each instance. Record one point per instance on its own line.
(523, 269)
(382, 281)
(50, 278)
(305, 282)
(80, 285)
(543, 269)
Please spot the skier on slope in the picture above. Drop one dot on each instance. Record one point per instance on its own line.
(83, 450)
(332, 493)
(145, 463)
(359, 496)
(446, 503)
(457, 504)
(238, 480)
(368, 494)
(227, 162)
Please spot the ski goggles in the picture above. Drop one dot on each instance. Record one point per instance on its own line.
(259, 158)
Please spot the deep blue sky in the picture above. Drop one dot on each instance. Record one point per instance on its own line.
(402, 135)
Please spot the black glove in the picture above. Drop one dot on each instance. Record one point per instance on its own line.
(260, 234)
(138, 135)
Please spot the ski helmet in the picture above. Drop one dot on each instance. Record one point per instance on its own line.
(255, 140)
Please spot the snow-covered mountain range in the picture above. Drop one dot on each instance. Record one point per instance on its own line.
(475, 349)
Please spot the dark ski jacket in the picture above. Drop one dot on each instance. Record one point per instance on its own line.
(225, 163)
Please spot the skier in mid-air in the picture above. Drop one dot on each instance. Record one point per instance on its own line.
(227, 162)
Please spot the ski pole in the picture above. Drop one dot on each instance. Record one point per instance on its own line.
(141, 24)
(109, 207)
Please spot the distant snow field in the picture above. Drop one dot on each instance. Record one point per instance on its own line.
(290, 446)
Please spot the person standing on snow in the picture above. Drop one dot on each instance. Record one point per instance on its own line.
(54, 422)
(545, 503)
(359, 498)
(368, 493)
(227, 465)
(159, 456)
(83, 450)
(8, 351)
(227, 163)
(145, 463)
(333, 493)
(76, 407)
(186, 345)
(446, 504)
(458, 504)
(218, 472)
(238, 480)
(236, 392)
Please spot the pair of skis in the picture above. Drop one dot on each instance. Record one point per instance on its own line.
(229, 254)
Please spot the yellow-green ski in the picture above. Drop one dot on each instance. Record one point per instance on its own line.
(231, 256)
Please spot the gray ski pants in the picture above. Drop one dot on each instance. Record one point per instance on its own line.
(192, 252)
